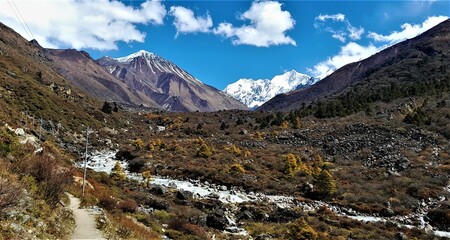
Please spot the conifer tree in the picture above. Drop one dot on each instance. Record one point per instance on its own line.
(117, 172)
(325, 184)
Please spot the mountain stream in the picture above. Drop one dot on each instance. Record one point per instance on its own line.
(104, 161)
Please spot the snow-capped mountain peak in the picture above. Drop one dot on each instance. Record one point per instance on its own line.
(141, 53)
(254, 93)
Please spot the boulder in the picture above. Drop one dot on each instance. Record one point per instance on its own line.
(159, 190)
(217, 221)
(184, 195)
(124, 155)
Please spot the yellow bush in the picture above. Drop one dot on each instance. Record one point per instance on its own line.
(301, 230)
(138, 144)
(157, 144)
(234, 150)
(284, 124)
(205, 151)
(247, 153)
(259, 135)
(294, 164)
(236, 168)
(147, 175)
(177, 123)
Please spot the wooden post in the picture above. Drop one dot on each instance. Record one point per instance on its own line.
(85, 160)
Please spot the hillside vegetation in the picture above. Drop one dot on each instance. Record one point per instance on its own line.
(376, 150)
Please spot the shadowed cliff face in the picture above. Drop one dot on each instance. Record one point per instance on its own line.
(410, 60)
(168, 85)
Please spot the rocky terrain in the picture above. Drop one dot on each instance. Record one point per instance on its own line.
(374, 171)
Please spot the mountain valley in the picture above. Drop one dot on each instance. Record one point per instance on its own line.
(361, 154)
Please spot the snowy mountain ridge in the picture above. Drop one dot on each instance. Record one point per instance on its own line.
(141, 53)
(254, 93)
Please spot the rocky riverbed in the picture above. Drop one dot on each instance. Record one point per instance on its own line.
(230, 200)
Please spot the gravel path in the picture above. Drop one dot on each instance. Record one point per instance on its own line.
(86, 225)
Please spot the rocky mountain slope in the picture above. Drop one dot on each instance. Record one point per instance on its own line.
(397, 67)
(81, 70)
(168, 85)
(29, 84)
(254, 93)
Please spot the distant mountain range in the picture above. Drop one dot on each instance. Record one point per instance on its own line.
(401, 70)
(168, 85)
(142, 79)
(254, 93)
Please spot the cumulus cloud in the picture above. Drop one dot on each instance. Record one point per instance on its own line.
(267, 27)
(351, 52)
(339, 26)
(408, 30)
(186, 22)
(95, 24)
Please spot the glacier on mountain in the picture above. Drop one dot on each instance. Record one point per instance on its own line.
(254, 93)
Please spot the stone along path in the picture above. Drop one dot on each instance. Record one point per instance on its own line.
(86, 225)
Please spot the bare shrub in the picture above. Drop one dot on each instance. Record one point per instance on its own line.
(51, 178)
(128, 205)
(10, 193)
(107, 202)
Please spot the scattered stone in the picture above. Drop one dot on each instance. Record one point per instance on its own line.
(213, 196)
(159, 190)
(401, 236)
(12, 74)
(217, 220)
(263, 236)
(387, 212)
(184, 195)
(19, 132)
(109, 131)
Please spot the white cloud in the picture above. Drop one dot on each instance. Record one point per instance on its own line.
(351, 52)
(339, 36)
(355, 33)
(95, 24)
(408, 30)
(341, 28)
(186, 22)
(336, 17)
(268, 26)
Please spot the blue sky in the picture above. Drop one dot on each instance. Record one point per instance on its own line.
(220, 42)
